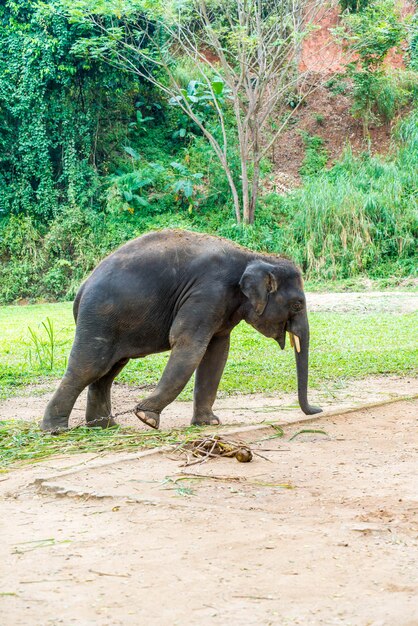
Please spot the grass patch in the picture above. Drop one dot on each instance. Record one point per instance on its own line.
(23, 442)
(18, 363)
(343, 346)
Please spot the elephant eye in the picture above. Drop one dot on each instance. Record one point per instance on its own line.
(296, 306)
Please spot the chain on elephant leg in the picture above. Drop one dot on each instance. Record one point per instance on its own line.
(104, 422)
(101, 422)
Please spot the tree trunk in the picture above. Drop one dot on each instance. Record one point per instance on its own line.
(245, 193)
(235, 197)
(254, 191)
(255, 129)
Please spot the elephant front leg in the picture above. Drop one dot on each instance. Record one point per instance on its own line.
(184, 359)
(208, 376)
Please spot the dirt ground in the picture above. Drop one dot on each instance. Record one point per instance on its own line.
(254, 408)
(323, 530)
(233, 410)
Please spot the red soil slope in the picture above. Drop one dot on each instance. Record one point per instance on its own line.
(324, 113)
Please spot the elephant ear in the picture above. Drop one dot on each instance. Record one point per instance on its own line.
(257, 282)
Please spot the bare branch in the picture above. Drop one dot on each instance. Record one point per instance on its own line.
(254, 45)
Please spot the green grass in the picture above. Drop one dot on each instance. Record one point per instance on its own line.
(343, 346)
(23, 442)
(18, 363)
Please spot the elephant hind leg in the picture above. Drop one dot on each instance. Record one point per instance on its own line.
(82, 370)
(58, 410)
(99, 407)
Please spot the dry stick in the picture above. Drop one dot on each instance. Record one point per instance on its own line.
(45, 580)
(93, 571)
(202, 459)
(233, 478)
(262, 457)
(272, 450)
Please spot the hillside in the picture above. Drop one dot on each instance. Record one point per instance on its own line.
(92, 154)
(326, 111)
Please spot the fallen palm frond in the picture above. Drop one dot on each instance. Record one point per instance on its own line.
(212, 446)
(308, 431)
(236, 479)
(22, 442)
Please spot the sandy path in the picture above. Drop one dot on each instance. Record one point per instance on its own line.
(340, 547)
(233, 410)
(398, 302)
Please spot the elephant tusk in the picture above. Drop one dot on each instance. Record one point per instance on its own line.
(294, 341)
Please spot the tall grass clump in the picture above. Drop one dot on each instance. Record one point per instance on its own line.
(360, 216)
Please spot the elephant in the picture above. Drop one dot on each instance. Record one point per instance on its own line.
(185, 292)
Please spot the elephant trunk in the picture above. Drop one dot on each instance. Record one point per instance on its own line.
(299, 338)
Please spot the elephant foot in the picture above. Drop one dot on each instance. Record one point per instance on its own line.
(206, 419)
(54, 425)
(148, 417)
(101, 422)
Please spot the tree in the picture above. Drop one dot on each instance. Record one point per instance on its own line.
(370, 35)
(53, 106)
(244, 51)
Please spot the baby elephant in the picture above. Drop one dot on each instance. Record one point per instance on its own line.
(184, 292)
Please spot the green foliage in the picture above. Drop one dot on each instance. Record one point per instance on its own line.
(59, 112)
(374, 31)
(361, 214)
(370, 34)
(379, 95)
(316, 155)
(353, 6)
(202, 99)
(90, 157)
(338, 85)
(413, 43)
(127, 190)
(153, 187)
(141, 122)
(184, 186)
(359, 217)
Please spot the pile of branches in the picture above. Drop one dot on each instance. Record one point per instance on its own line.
(213, 446)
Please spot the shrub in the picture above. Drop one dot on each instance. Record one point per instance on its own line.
(316, 155)
(370, 34)
(353, 6)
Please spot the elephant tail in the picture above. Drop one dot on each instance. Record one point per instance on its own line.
(76, 302)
